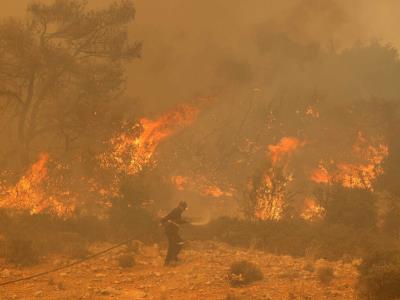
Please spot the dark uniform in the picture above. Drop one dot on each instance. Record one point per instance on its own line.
(171, 223)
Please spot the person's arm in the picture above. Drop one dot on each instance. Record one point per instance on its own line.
(170, 217)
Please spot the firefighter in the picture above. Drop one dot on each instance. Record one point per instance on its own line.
(172, 223)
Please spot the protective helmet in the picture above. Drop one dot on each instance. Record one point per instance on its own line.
(183, 204)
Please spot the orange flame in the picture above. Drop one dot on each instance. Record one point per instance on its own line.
(29, 193)
(133, 150)
(180, 182)
(202, 186)
(312, 211)
(355, 175)
(270, 194)
(270, 198)
(285, 148)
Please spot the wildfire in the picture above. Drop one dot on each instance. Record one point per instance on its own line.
(270, 196)
(270, 193)
(202, 186)
(30, 192)
(312, 211)
(134, 149)
(285, 148)
(354, 175)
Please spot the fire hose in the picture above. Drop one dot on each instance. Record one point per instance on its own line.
(67, 265)
(201, 223)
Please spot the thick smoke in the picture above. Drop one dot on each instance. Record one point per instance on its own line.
(227, 48)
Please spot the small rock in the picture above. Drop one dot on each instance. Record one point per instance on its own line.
(100, 275)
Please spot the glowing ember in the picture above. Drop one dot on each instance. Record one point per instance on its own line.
(30, 192)
(134, 149)
(312, 112)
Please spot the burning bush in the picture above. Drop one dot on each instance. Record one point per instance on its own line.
(244, 272)
(380, 276)
(20, 251)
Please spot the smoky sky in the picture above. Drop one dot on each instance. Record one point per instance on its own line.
(217, 47)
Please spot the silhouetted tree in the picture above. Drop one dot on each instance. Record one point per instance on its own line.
(59, 68)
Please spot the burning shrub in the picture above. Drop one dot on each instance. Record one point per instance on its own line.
(380, 276)
(20, 251)
(325, 274)
(126, 261)
(244, 272)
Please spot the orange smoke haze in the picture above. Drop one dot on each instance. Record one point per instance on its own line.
(202, 186)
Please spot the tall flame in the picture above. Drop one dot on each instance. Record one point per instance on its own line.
(30, 193)
(270, 193)
(134, 149)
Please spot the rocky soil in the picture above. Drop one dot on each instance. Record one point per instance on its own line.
(202, 274)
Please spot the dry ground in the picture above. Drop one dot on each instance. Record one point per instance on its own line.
(201, 275)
